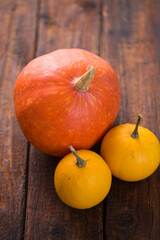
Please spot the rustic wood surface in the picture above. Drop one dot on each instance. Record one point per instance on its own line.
(127, 34)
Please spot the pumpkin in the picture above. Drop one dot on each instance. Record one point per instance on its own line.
(82, 179)
(67, 97)
(131, 152)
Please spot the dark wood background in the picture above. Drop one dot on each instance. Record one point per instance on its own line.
(127, 34)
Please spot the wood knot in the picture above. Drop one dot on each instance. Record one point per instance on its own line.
(58, 232)
(124, 219)
(47, 19)
(89, 5)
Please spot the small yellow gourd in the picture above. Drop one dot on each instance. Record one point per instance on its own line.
(82, 179)
(131, 152)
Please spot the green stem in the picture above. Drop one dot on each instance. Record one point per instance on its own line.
(80, 162)
(135, 132)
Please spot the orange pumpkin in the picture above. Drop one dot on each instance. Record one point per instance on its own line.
(67, 97)
(82, 179)
(132, 152)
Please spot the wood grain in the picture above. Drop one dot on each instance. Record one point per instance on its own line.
(69, 23)
(124, 32)
(16, 49)
(63, 24)
(130, 41)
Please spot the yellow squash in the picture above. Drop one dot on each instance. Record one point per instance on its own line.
(82, 179)
(131, 152)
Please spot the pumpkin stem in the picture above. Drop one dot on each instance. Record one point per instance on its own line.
(80, 161)
(135, 132)
(82, 83)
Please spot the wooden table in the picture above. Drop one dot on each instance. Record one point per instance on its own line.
(127, 34)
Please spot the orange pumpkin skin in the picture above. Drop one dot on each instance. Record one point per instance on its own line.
(53, 114)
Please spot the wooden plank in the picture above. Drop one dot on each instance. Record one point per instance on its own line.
(63, 24)
(17, 36)
(130, 43)
(66, 24)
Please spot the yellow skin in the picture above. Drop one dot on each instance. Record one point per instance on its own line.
(82, 187)
(131, 159)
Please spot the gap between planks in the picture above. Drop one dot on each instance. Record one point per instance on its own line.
(28, 143)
